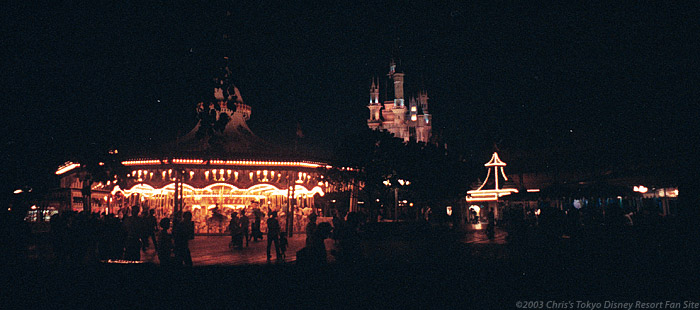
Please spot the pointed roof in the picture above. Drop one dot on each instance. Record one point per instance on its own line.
(495, 161)
(481, 194)
(235, 139)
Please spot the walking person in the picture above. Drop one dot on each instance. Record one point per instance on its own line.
(234, 228)
(165, 243)
(257, 234)
(150, 229)
(132, 226)
(490, 228)
(273, 232)
(310, 228)
(245, 222)
(183, 232)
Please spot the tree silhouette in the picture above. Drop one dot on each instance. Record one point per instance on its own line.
(436, 176)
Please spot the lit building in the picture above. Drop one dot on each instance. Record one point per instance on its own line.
(487, 196)
(218, 168)
(591, 190)
(408, 122)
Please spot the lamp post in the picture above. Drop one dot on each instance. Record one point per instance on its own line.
(396, 204)
(401, 182)
(86, 192)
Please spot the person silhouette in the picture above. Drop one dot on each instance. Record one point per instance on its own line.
(314, 253)
(150, 229)
(273, 232)
(165, 243)
(132, 226)
(245, 222)
(234, 228)
(490, 228)
(284, 242)
(182, 234)
(310, 228)
(256, 227)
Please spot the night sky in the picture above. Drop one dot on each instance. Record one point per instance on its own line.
(596, 82)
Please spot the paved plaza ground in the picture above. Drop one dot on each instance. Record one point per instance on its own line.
(215, 250)
(474, 272)
(210, 250)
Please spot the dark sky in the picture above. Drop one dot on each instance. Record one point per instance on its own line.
(610, 79)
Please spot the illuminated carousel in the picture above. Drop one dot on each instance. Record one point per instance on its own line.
(218, 168)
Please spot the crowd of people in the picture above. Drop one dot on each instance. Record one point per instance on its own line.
(572, 222)
(344, 232)
(79, 237)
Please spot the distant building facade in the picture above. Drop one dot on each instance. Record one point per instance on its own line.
(410, 121)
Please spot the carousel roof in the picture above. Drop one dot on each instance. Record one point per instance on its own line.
(221, 131)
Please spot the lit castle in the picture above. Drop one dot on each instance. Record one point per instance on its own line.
(409, 123)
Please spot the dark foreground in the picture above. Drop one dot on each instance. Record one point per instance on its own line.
(414, 268)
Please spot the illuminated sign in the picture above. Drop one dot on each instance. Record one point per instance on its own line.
(180, 161)
(491, 194)
(68, 166)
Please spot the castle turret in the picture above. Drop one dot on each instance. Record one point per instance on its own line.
(423, 99)
(374, 93)
(424, 121)
(374, 106)
(397, 77)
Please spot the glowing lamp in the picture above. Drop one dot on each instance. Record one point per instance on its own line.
(640, 189)
(68, 166)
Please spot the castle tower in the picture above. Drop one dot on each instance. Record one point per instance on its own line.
(400, 126)
(374, 106)
(424, 121)
(423, 100)
(397, 77)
